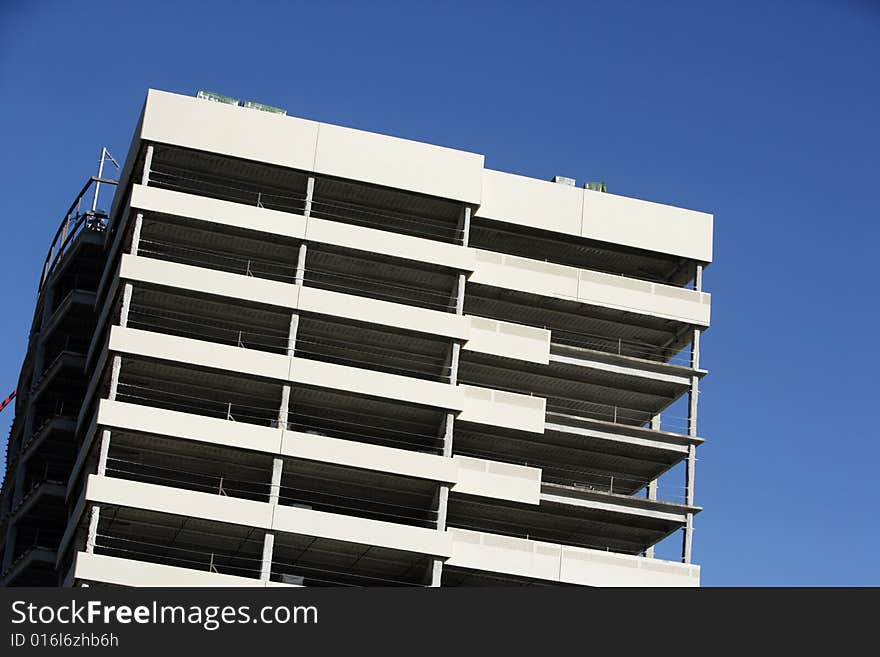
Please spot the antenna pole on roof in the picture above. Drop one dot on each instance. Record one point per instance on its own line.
(105, 155)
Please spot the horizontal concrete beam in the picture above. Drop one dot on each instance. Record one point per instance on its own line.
(298, 227)
(621, 504)
(468, 476)
(262, 515)
(131, 572)
(478, 334)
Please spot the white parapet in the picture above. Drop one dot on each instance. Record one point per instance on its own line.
(566, 564)
(596, 288)
(499, 408)
(311, 146)
(131, 572)
(596, 215)
(527, 343)
(503, 481)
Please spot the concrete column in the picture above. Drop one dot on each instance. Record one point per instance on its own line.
(275, 487)
(284, 407)
(92, 537)
(301, 264)
(687, 541)
(266, 565)
(464, 224)
(291, 334)
(126, 304)
(114, 376)
(436, 572)
(442, 503)
(136, 233)
(105, 451)
(454, 356)
(459, 294)
(148, 164)
(691, 464)
(310, 193)
(651, 494)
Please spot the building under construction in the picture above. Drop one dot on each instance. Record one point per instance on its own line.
(296, 354)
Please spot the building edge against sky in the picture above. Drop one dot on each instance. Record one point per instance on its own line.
(299, 354)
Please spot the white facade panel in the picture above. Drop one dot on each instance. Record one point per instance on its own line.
(364, 456)
(200, 353)
(647, 225)
(187, 426)
(131, 572)
(566, 564)
(502, 481)
(407, 247)
(364, 531)
(526, 343)
(234, 131)
(376, 384)
(503, 409)
(400, 163)
(216, 211)
(178, 501)
(567, 210)
(383, 313)
(592, 287)
(209, 281)
(504, 554)
(531, 202)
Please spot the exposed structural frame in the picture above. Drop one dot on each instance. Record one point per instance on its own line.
(318, 356)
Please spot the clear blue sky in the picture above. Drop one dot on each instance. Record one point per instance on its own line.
(765, 113)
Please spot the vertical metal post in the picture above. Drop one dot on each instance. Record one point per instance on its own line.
(98, 183)
(105, 154)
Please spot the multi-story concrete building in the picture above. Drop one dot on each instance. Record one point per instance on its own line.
(326, 356)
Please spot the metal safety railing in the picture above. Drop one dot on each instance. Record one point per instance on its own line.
(75, 222)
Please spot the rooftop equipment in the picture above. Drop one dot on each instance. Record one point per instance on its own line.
(216, 98)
